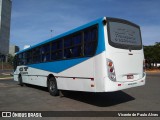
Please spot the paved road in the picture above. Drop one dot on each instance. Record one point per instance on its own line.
(16, 98)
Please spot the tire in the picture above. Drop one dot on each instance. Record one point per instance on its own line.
(20, 80)
(52, 87)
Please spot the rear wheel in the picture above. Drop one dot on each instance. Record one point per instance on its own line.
(20, 80)
(52, 87)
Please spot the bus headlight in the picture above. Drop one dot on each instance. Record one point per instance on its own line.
(111, 70)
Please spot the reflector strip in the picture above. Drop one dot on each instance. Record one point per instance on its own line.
(74, 77)
(92, 85)
(92, 79)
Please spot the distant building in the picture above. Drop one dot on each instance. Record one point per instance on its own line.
(13, 49)
(5, 18)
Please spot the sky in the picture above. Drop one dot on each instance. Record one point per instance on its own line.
(33, 20)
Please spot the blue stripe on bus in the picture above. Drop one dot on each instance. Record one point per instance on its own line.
(58, 66)
(101, 39)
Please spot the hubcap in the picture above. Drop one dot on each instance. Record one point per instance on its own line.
(52, 86)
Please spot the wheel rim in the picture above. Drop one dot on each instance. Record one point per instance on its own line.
(52, 86)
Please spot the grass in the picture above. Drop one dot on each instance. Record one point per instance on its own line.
(153, 69)
(5, 76)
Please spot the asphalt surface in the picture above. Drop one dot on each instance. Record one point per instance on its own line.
(33, 98)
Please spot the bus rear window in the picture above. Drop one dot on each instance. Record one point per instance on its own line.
(124, 35)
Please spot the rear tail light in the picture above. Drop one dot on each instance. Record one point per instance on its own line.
(110, 63)
(111, 70)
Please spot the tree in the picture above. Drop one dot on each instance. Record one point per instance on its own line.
(152, 54)
(157, 44)
(10, 59)
(157, 52)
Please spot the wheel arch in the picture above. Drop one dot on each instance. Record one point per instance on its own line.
(20, 80)
(19, 75)
(50, 76)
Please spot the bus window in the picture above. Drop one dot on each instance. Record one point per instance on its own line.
(45, 52)
(73, 46)
(67, 42)
(29, 57)
(36, 55)
(56, 55)
(56, 50)
(77, 39)
(24, 60)
(89, 49)
(90, 40)
(68, 53)
(76, 51)
(56, 45)
(20, 59)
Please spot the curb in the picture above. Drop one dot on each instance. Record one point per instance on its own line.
(6, 78)
(6, 73)
(152, 71)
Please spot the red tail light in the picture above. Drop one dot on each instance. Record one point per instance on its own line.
(109, 63)
(111, 70)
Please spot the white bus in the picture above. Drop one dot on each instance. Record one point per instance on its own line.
(102, 56)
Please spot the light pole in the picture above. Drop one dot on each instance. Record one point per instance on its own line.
(52, 33)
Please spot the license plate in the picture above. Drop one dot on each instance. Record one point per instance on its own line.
(130, 76)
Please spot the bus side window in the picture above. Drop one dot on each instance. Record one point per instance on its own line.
(68, 42)
(77, 42)
(73, 46)
(56, 55)
(76, 51)
(42, 51)
(36, 55)
(68, 53)
(89, 49)
(67, 47)
(29, 57)
(45, 52)
(77, 39)
(44, 58)
(56, 50)
(20, 59)
(90, 42)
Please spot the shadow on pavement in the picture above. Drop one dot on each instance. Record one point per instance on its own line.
(36, 87)
(96, 99)
(99, 99)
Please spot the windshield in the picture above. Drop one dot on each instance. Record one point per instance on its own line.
(123, 34)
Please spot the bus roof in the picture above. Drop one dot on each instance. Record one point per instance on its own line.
(64, 34)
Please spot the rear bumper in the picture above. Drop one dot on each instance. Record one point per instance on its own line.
(111, 86)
